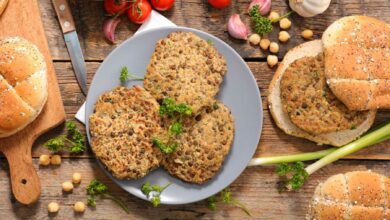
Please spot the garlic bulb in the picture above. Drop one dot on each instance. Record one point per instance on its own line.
(309, 8)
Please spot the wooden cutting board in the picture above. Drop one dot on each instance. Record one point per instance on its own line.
(23, 18)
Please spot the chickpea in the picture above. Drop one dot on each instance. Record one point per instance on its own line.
(53, 207)
(307, 34)
(44, 160)
(67, 186)
(79, 207)
(272, 60)
(76, 178)
(284, 36)
(254, 39)
(285, 23)
(264, 44)
(274, 47)
(274, 15)
(55, 160)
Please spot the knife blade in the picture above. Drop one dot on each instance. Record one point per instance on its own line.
(68, 27)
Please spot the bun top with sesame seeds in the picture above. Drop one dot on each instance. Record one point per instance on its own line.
(353, 195)
(23, 84)
(357, 62)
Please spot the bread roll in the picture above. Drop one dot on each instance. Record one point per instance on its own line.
(336, 138)
(357, 62)
(354, 195)
(23, 84)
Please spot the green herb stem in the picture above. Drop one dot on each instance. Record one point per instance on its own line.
(117, 201)
(281, 17)
(369, 139)
(241, 206)
(290, 158)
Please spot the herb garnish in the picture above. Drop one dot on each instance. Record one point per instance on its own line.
(125, 75)
(96, 188)
(226, 197)
(263, 25)
(176, 112)
(153, 192)
(294, 174)
(74, 138)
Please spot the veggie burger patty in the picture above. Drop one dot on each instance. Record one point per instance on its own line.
(310, 104)
(122, 127)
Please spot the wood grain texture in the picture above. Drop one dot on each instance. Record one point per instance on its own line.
(22, 18)
(89, 16)
(256, 187)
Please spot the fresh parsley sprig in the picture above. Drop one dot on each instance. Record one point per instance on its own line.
(153, 192)
(125, 75)
(96, 188)
(74, 139)
(263, 25)
(294, 175)
(176, 112)
(226, 197)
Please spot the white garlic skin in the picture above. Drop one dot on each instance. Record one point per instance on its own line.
(309, 8)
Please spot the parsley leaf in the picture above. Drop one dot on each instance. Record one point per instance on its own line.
(227, 198)
(294, 175)
(263, 25)
(74, 139)
(167, 148)
(56, 144)
(212, 203)
(96, 188)
(124, 75)
(153, 192)
(176, 128)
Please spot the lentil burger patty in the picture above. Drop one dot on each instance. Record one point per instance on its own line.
(310, 104)
(204, 147)
(186, 68)
(122, 127)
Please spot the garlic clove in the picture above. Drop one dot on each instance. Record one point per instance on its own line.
(264, 6)
(237, 28)
(109, 27)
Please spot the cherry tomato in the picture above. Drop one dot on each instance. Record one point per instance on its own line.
(219, 3)
(114, 6)
(162, 5)
(139, 11)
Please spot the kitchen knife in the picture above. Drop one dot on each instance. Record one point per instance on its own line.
(72, 42)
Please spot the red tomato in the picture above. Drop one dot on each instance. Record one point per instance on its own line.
(162, 5)
(114, 6)
(219, 3)
(139, 11)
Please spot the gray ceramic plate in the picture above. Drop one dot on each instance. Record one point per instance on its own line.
(239, 92)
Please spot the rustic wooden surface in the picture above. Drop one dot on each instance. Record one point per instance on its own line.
(26, 16)
(256, 187)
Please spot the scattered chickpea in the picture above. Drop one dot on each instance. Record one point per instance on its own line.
(274, 47)
(284, 36)
(254, 39)
(76, 178)
(272, 60)
(79, 207)
(67, 186)
(285, 23)
(264, 44)
(44, 160)
(274, 15)
(53, 207)
(307, 34)
(55, 160)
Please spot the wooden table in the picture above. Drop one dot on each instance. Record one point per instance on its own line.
(256, 187)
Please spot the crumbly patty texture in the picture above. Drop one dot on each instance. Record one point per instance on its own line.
(354, 195)
(310, 104)
(204, 147)
(186, 68)
(122, 127)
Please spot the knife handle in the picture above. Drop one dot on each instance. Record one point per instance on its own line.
(64, 15)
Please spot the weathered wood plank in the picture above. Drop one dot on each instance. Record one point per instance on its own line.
(256, 187)
(89, 16)
(273, 140)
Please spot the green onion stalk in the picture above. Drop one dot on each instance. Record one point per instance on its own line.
(298, 174)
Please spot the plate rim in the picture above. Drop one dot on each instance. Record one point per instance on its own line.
(252, 81)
